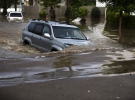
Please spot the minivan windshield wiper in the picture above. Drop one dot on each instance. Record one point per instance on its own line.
(77, 38)
(64, 37)
(59, 37)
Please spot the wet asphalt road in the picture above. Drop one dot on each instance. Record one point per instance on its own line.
(27, 74)
(94, 88)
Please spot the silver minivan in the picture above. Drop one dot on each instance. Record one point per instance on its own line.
(52, 36)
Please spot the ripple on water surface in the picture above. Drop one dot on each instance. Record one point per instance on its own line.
(88, 64)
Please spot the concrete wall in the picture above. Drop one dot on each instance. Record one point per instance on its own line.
(34, 11)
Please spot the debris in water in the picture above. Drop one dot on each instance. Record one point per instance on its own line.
(37, 57)
(88, 91)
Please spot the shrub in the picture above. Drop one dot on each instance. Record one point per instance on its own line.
(95, 13)
(128, 21)
(74, 13)
(112, 18)
(77, 12)
(82, 11)
(42, 14)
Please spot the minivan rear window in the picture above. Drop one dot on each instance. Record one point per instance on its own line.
(15, 15)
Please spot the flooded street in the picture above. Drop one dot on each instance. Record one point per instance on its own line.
(106, 57)
(91, 64)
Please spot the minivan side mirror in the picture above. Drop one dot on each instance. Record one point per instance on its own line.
(47, 35)
(88, 38)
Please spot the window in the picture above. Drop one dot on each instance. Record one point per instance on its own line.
(38, 29)
(46, 29)
(15, 15)
(31, 26)
(68, 33)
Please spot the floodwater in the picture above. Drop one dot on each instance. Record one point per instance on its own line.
(128, 35)
(106, 57)
(89, 64)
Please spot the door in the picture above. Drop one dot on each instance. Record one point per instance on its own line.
(37, 34)
(46, 42)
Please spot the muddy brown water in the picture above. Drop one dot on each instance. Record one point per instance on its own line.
(106, 57)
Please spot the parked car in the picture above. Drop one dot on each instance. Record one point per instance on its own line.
(15, 16)
(52, 36)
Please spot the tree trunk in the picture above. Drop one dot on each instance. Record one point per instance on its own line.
(31, 2)
(52, 14)
(120, 25)
(4, 11)
(15, 3)
(4, 8)
(68, 12)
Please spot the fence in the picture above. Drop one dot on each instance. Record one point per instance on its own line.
(34, 11)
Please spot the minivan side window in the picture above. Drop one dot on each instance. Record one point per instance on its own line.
(46, 29)
(38, 29)
(31, 26)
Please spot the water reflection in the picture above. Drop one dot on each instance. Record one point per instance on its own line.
(26, 70)
(65, 61)
(128, 35)
(119, 67)
(95, 21)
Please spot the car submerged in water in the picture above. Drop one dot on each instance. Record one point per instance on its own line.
(52, 36)
(15, 16)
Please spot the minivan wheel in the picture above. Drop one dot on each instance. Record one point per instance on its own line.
(53, 50)
(25, 43)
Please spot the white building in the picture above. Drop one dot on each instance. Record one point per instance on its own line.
(99, 4)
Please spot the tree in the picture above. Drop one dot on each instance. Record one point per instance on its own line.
(5, 4)
(126, 6)
(15, 3)
(67, 12)
(79, 3)
(52, 4)
(31, 2)
(75, 5)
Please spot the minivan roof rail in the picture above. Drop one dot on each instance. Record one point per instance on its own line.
(38, 20)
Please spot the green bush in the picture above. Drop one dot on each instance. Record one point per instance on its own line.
(128, 21)
(74, 13)
(95, 13)
(77, 12)
(82, 11)
(42, 14)
(112, 18)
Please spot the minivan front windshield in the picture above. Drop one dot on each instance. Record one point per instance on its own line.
(68, 33)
